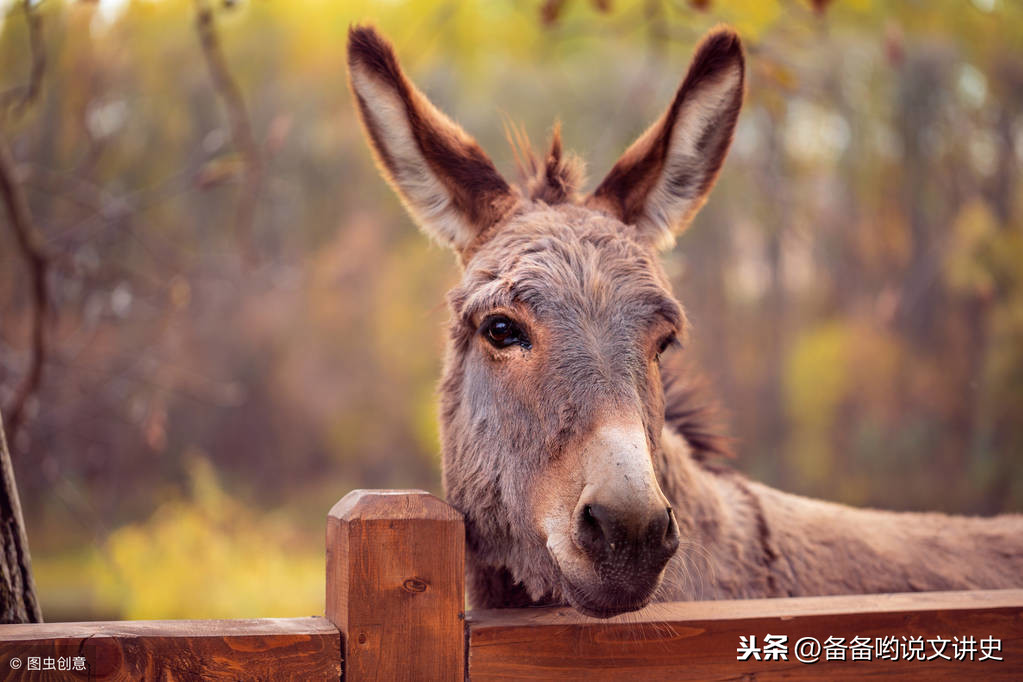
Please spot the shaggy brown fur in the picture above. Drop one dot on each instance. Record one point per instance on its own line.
(692, 412)
(586, 474)
(554, 181)
(749, 540)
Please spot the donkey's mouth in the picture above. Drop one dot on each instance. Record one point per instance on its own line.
(600, 605)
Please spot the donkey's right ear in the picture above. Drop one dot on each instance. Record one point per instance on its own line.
(446, 182)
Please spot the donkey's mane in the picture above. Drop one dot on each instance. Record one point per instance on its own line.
(556, 179)
(691, 409)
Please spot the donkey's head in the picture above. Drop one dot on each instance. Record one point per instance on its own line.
(552, 398)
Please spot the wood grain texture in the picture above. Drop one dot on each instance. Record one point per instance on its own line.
(699, 640)
(255, 649)
(396, 585)
(18, 601)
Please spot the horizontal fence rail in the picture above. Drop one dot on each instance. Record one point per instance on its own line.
(395, 610)
(700, 640)
(259, 648)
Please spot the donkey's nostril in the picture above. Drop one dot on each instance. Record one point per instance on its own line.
(671, 521)
(601, 532)
(591, 529)
(658, 528)
(671, 534)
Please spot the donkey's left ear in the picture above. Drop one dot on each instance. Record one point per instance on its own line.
(443, 177)
(663, 179)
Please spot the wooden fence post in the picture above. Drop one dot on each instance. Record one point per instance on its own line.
(396, 585)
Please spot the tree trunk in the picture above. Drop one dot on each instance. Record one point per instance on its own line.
(18, 603)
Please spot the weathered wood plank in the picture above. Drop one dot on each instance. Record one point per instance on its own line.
(396, 585)
(699, 640)
(252, 649)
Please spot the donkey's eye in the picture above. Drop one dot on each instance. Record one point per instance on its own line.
(501, 332)
(666, 343)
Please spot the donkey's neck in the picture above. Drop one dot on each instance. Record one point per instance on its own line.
(742, 539)
(727, 550)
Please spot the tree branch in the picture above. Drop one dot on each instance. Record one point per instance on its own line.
(37, 260)
(241, 127)
(20, 218)
(18, 99)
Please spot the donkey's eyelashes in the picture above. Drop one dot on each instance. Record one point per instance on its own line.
(669, 341)
(501, 332)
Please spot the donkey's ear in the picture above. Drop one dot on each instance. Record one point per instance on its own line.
(444, 179)
(661, 181)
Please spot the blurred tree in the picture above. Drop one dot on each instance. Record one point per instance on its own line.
(18, 601)
(37, 261)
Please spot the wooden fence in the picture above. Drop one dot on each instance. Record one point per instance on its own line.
(395, 610)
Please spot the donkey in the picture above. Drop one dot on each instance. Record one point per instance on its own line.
(582, 466)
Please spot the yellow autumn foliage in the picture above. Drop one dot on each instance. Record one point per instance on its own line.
(209, 556)
(828, 365)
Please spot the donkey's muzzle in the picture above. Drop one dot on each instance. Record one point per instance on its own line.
(624, 542)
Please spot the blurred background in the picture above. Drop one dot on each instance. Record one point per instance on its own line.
(216, 319)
